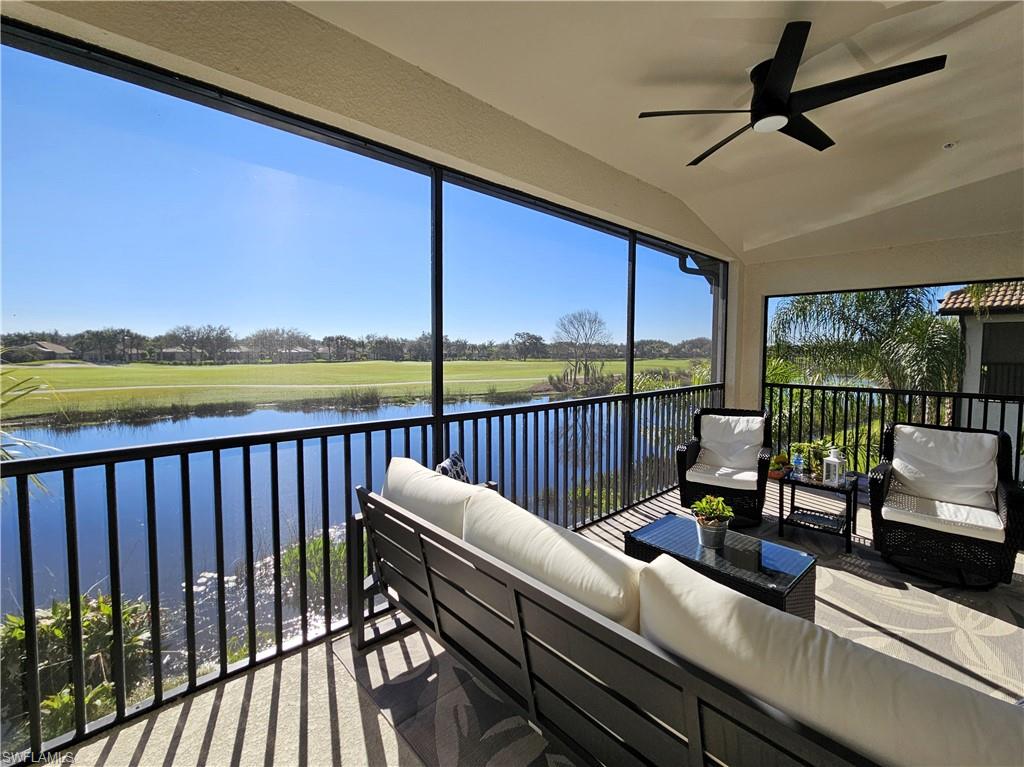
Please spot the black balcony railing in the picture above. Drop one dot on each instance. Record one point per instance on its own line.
(855, 417)
(251, 528)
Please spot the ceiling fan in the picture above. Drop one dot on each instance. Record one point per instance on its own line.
(775, 107)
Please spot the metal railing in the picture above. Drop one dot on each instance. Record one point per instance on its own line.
(855, 417)
(252, 528)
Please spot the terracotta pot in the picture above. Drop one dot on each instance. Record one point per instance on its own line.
(776, 473)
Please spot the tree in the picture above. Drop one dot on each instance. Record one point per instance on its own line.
(526, 345)
(341, 347)
(187, 337)
(214, 340)
(891, 338)
(420, 348)
(652, 348)
(581, 333)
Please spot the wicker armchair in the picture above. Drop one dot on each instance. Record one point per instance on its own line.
(704, 470)
(944, 538)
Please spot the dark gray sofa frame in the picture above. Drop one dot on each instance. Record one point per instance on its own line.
(603, 693)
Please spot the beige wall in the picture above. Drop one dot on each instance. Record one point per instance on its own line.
(947, 261)
(278, 54)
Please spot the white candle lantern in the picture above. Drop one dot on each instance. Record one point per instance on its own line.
(833, 469)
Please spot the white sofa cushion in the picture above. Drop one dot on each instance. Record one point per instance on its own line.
(887, 709)
(945, 517)
(722, 476)
(598, 576)
(438, 499)
(729, 440)
(957, 467)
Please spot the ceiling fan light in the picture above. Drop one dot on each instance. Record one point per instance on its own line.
(771, 123)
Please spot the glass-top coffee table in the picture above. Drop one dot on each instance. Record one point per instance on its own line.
(769, 572)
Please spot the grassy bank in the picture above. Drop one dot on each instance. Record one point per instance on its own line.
(116, 391)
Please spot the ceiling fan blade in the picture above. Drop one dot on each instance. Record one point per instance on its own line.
(701, 158)
(802, 129)
(829, 93)
(672, 112)
(779, 81)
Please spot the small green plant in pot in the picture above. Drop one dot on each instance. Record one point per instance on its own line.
(778, 466)
(713, 515)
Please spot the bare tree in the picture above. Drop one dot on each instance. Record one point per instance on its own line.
(581, 333)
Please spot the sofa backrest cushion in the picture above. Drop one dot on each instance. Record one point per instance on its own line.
(598, 576)
(730, 440)
(952, 466)
(884, 708)
(436, 498)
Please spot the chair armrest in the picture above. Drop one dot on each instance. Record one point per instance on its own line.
(1010, 506)
(690, 452)
(764, 459)
(879, 479)
(490, 485)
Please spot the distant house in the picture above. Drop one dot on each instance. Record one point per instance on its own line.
(175, 354)
(993, 334)
(240, 353)
(323, 352)
(298, 354)
(47, 350)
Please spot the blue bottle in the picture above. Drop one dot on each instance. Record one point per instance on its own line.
(798, 465)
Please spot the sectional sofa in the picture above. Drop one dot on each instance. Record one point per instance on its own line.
(624, 662)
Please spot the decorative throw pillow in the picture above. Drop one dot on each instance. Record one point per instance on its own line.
(453, 466)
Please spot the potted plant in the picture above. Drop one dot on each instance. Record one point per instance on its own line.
(777, 467)
(815, 453)
(713, 515)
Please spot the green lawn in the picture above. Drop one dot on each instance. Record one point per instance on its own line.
(140, 384)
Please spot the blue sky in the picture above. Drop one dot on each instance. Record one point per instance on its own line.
(127, 207)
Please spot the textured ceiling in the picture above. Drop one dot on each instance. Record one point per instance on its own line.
(582, 71)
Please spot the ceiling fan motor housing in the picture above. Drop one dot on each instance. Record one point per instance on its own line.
(766, 112)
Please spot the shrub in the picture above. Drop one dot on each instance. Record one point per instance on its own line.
(53, 632)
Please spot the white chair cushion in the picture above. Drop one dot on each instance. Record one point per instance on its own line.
(600, 577)
(958, 467)
(722, 476)
(945, 517)
(436, 498)
(887, 709)
(729, 440)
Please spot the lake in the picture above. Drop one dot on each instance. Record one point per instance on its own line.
(47, 503)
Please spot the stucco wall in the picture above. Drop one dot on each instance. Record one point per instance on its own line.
(947, 261)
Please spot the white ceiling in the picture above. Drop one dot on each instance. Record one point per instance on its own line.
(581, 71)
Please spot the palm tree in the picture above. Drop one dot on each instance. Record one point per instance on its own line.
(892, 338)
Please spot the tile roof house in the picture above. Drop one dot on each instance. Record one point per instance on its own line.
(993, 333)
(998, 298)
(47, 350)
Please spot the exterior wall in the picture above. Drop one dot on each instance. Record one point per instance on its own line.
(971, 259)
(972, 329)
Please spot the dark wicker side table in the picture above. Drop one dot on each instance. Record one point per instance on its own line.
(818, 519)
(769, 572)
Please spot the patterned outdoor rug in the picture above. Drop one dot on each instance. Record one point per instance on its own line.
(974, 637)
